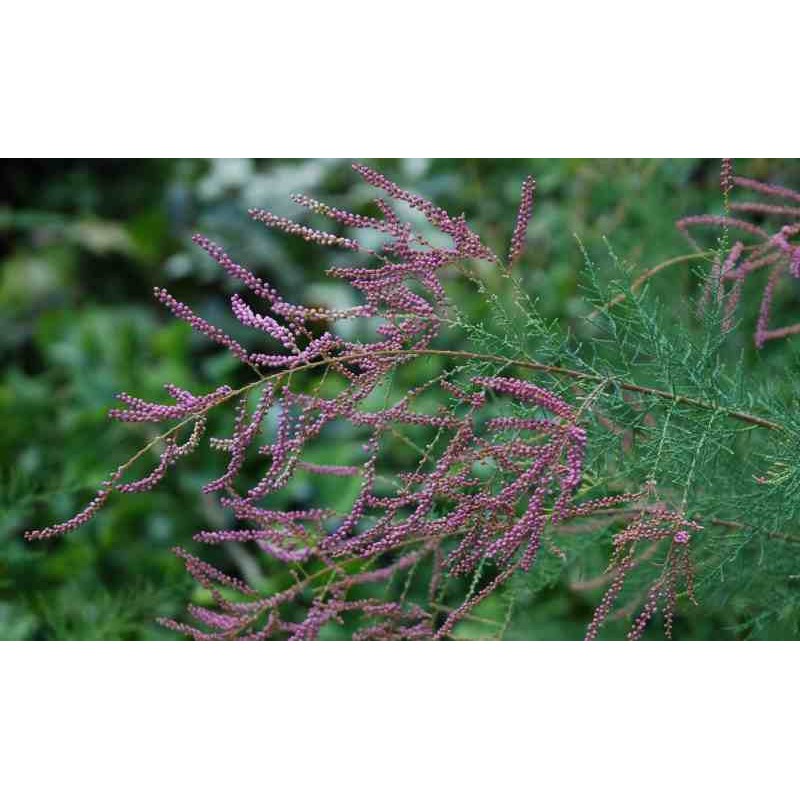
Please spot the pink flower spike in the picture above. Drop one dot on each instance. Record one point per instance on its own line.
(523, 218)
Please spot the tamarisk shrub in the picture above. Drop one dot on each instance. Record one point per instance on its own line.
(500, 463)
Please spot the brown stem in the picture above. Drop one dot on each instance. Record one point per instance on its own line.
(742, 416)
(587, 376)
(645, 276)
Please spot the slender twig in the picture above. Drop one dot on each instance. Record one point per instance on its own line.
(471, 617)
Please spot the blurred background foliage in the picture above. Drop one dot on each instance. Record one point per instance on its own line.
(83, 242)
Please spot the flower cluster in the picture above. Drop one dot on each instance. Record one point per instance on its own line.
(758, 248)
(496, 485)
(652, 525)
(442, 512)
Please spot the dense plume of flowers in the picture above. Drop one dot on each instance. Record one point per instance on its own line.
(523, 218)
(486, 493)
(652, 525)
(754, 247)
